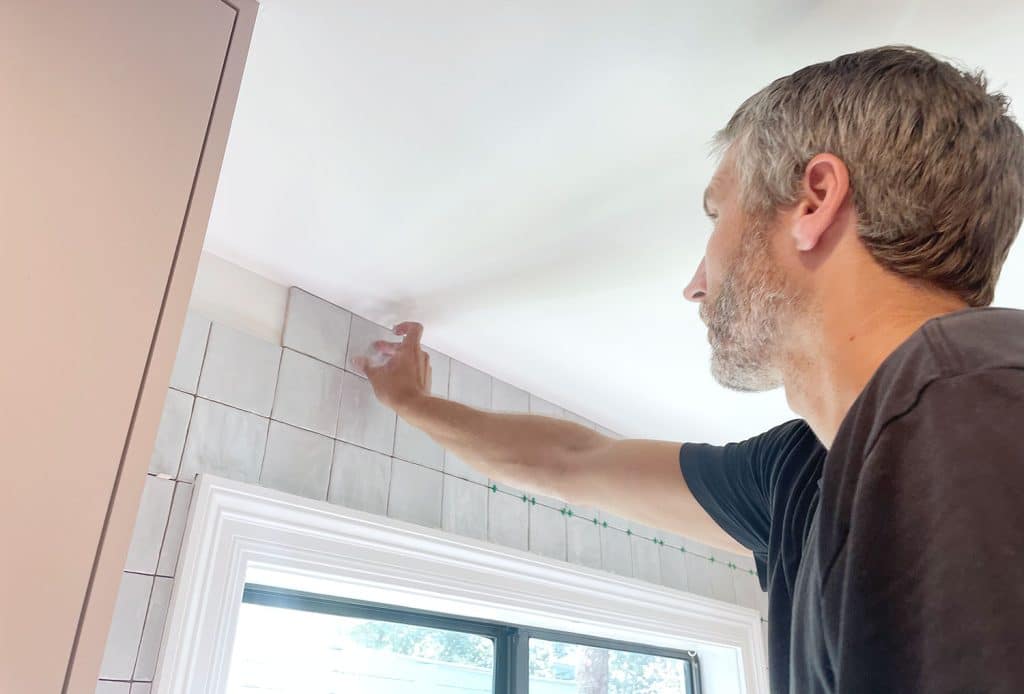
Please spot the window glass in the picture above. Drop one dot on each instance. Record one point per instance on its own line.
(568, 668)
(288, 650)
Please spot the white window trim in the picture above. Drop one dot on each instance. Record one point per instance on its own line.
(238, 532)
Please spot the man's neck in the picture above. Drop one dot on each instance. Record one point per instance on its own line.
(838, 355)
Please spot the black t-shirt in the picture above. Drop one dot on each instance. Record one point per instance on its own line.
(894, 561)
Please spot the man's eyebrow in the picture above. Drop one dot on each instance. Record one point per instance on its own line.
(707, 192)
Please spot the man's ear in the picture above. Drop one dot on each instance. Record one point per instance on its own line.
(824, 187)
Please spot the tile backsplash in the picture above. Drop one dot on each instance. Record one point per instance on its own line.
(297, 418)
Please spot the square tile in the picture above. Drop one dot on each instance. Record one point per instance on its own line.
(108, 687)
(126, 627)
(508, 398)
(440, 369)
(646, 559)
(464, 508)
(722, 587)
(191, 349)
(152, 633)
(297, 461)
(416, 446)
(547, 532)
(469, 386)
(673, 566)
(415, 494)
(583, 541)
(543, 407)
(361, 338)
(141, 688)
(616, 550)
(224, 441)
(364, 420)
(316, 327)
(746, 589)
(508, 521)
(308, 393)
(175, 529)
(150, 523)
(698, 569)
(240, 370)
(360, 479)
(457, 467)
(170, 437)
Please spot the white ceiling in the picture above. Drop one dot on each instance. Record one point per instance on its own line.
(525, 178)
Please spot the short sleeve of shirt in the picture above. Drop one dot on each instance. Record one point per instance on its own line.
(736, 483)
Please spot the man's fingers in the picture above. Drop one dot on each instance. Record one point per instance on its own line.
(412, 331)
(385, 347)
(366, 366)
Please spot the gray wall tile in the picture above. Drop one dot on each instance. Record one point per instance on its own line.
(464, 508)
(583, 542)
(508, 398)
(722, 587)
(508, 521)
(673, 567)
(616, 550)
(107, 687)
(547, 532)
(416, 446)
(297, 461)
(224, 441)
(152, 633)
(240, 370)
(191, 348)
(469, 386)
(543, 407)
(454, 465)
(415, 494)
(170, 437)
(746, 589)
(698, 569)
(308, 393)
(141, 688)
(364, 420)
(363, 334)
(126, 627)
(150, 523)
(646, 559)
(360, 478)
(175, 529)
(440, 368)
(316, 327)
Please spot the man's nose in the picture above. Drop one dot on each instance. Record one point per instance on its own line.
(697, 289)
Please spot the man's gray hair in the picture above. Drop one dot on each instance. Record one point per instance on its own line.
(936, 163)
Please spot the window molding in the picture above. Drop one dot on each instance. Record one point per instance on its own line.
(240, 532)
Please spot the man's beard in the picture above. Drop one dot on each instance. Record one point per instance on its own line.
(744, 320)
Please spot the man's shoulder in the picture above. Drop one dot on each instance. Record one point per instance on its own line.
(966, 346)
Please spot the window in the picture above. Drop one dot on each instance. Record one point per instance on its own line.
(294, 641)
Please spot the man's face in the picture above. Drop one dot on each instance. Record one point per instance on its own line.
(742, 293)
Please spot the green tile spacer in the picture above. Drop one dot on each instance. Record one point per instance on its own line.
(525, 499)
(595, 522)
(494, 488)
(711, 559)
(628, 531)
(533, 500)
(683, 550)
(568, 512)
(604, 524)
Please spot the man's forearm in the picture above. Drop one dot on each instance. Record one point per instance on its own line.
(523, 450)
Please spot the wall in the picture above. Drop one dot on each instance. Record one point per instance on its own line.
(293, 415)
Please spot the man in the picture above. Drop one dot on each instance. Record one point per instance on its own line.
(862, 210)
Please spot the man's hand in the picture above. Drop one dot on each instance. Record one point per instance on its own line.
(398, 371)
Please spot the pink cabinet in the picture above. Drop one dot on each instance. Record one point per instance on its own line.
(114, 115)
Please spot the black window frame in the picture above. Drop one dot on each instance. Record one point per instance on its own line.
(511, 641)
